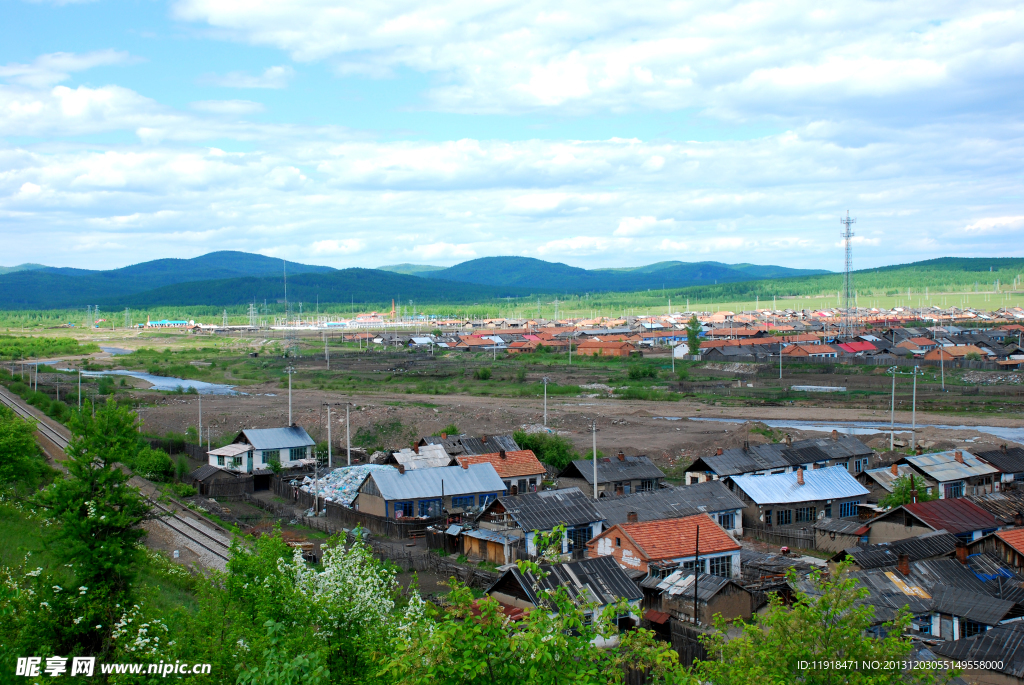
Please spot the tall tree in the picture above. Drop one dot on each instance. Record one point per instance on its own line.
(21, 463)
(905, 490)
(693, 335)
(97, 515)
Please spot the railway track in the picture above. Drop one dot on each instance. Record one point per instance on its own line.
(176, 522)
(211, 543)
(46, 430)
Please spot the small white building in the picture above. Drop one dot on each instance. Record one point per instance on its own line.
(256, 449)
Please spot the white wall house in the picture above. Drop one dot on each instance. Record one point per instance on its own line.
(256, 448)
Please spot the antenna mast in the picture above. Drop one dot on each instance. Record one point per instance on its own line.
(846, 328)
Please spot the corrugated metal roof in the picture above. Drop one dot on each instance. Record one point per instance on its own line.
(943, 466)
(708, 497)
(778, 455)
(843, 526)
(429, 457)
(501, 537)
(680, 583)
(1003, 505)
(1003, 644)
(834, 482)
(1010, 461)
(973, 606)
(232, 450)
(548, 508)
(494, 443)
(954, 515)
(884, 476)
(613, 470)
(929, 546)
(207, 470)
(427, 483)
(277, 438)
(599, 580)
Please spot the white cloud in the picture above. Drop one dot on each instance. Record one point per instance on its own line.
(446, 251)
(744, 58)
(236, 107)
(641, 225)
(47, 70)
(272, 77)
(1001, 224)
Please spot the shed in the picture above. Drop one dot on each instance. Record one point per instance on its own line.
(715, 596)
(960, 517)
(213, 481)
(543, 511)
(620, 475)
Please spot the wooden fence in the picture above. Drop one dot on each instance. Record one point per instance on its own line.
(784, 537)
(197, 452)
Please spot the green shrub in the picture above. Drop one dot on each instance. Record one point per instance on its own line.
(638, 372)
(482, 374)
(153, 464)
(450, 429)
(521, 374)
(183, 490)
(181, 467)
(556, 450)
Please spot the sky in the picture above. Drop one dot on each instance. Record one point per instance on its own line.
(599, 133)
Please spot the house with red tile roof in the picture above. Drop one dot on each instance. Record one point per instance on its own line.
(518, 468)
(666, 544)
(600, 348)
(809, 351)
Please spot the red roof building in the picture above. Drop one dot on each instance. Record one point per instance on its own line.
(669, 543)
(519, 468)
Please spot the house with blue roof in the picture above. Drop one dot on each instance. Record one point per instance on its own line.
(427, 493)
(255, 449)
(799, 499)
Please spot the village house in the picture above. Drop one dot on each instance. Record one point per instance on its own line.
(811, 351)
(712, 498)
(1006, 545)
(541, 512)
(1009, 461)
(600, 581)
(716, 595)
(995, 657)
(257, 448)
(797, 500)
(936, 544)
(519, 470)
(783, 457)
(667, 544)
(427, 493)
(601, 348)
(620, 475)
(956, 472)
(879, 482)
(959, 517)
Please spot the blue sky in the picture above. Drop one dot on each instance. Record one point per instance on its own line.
(597, 134)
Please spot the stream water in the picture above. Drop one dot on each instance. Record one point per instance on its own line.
(169, 383)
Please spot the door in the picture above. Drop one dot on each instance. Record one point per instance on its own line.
(248, 466)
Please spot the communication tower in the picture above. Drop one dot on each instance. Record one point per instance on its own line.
(846, 327)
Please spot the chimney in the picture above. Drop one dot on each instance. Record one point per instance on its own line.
(464, 464)
(621, 455)
(416, 449)
(789, 440)
(1003, 448)
(514, 490)
(401, 469)
(918, 450)
(501, 454)
(835, 434)
(800, 476)
(903, 564)
(746, 445)
(959, 456)
(961, 551)
(631, 517)
(444, 436)
(483, 439)
(718, 451)
(895, 470)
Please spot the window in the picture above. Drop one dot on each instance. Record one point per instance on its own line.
(618, 542)
(579, 537)
(970, 628)
(522, 486)
(689, 565)
(403, 509)
(508, 486)
(430, 507)
(533, 485)
(488, 498)
(727, 521)
(220, 461)
(464, 502)
(775, 473)
(297, 453)
(720, 566)
(844, 464)
(828, 510)
(270, 456)
(954, 490)
(695, 479)
(806, 514)
(848, 509)
(767, 517)
(648, 485)
(784, 517)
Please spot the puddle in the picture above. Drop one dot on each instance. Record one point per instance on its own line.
(169, 383)
(116, 350)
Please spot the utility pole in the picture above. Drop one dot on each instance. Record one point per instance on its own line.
(79, 389)
(330, 459)
(290, 370)
(696, 572)
(594, 433)
(913, 411)
(200, 420)
(348, 442)
(327, 353)
(545, 401)
(892, 409)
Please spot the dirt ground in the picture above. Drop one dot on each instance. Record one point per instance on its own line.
(635, 427)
